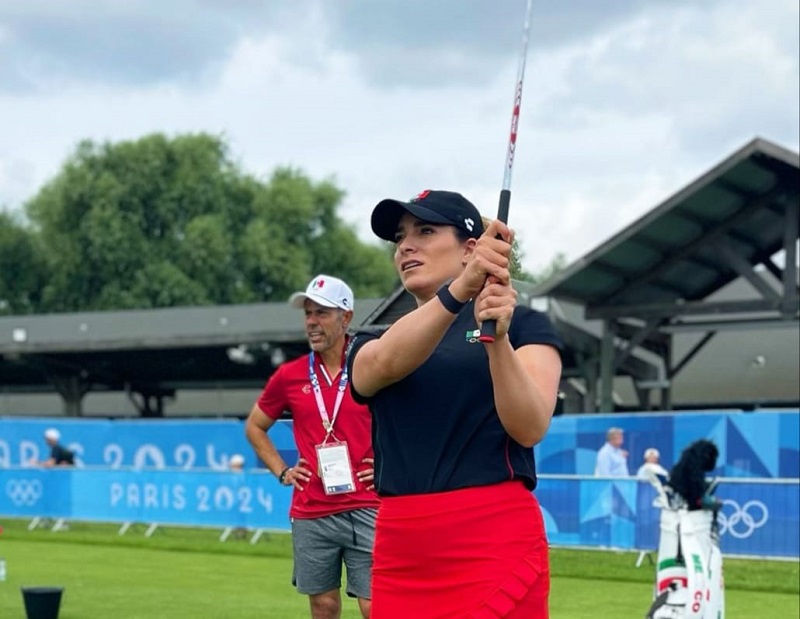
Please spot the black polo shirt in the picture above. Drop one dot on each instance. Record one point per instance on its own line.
(437, 429)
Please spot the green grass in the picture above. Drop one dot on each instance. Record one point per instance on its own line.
(740, 574)
(186, 573)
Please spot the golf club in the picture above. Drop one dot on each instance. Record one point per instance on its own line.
(488, 328)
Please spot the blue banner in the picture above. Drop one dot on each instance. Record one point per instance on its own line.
(251, 499)
(763, 444)
(760, 444)
(181, 444)
(758, 518)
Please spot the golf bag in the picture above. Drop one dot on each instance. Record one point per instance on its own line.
(689, 583)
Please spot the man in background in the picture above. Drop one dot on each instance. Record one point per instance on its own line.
(59, 455)
(651, 465)
(612, 460)
(236, 463)
(334, 504)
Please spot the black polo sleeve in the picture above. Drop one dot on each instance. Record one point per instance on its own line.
(355, 344)
(531, 327)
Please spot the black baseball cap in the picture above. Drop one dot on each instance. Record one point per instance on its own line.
(436, 207)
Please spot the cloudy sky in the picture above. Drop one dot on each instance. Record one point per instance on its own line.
(625, 101)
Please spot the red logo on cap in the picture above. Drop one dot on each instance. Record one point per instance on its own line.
(421, 195)
(319, 283)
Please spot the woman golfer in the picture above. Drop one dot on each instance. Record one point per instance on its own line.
(459, 533)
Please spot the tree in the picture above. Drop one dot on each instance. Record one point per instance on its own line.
(556, 264)
(160, 222)
(517, 272)
(22, 266)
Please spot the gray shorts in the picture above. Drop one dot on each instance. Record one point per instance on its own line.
(321, 544)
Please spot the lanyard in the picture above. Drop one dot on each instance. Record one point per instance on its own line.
(327, 422)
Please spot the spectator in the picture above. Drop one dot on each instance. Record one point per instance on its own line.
(612, 460)
(334, 505)
(236, 465)
(236, 462)
(59, 455)
(651, 465)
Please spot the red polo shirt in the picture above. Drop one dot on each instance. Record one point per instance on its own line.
(289, 388)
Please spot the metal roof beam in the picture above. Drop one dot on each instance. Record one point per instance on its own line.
(576, 338)
(615, 270)
(761, 324)
(736, 190)
(745, 269)
(648, 310)
(655, 341)
(675, 370)
(773, 268)
(682, 254)
(587, 348)
(638, 368)
(785, 170)
(631, 343)
(662, 285)
(791, 232)
(706, 223)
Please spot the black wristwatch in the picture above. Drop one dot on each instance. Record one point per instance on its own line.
(450, 303)
(282, 476)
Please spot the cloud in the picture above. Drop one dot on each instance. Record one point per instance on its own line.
(395, 42)
(122, 43)
(643, 108)
(718, 71)
(402, 43)
(622, 106)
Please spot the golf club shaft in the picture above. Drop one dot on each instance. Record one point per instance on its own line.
(489, 327)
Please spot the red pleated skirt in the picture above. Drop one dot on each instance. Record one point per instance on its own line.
(477, 553)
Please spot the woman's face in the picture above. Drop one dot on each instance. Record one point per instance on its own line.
(426, 255)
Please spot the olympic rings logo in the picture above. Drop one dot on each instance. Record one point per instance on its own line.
(24, 492)
(743, 520)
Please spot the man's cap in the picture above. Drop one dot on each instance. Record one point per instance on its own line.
(436, 207)
(651, 451)
(52, 434)
(326, 290)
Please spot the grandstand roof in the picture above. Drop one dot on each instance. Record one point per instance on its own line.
(154, 349)
(695, 242)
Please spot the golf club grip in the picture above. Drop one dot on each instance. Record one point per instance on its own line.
(489, 328)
